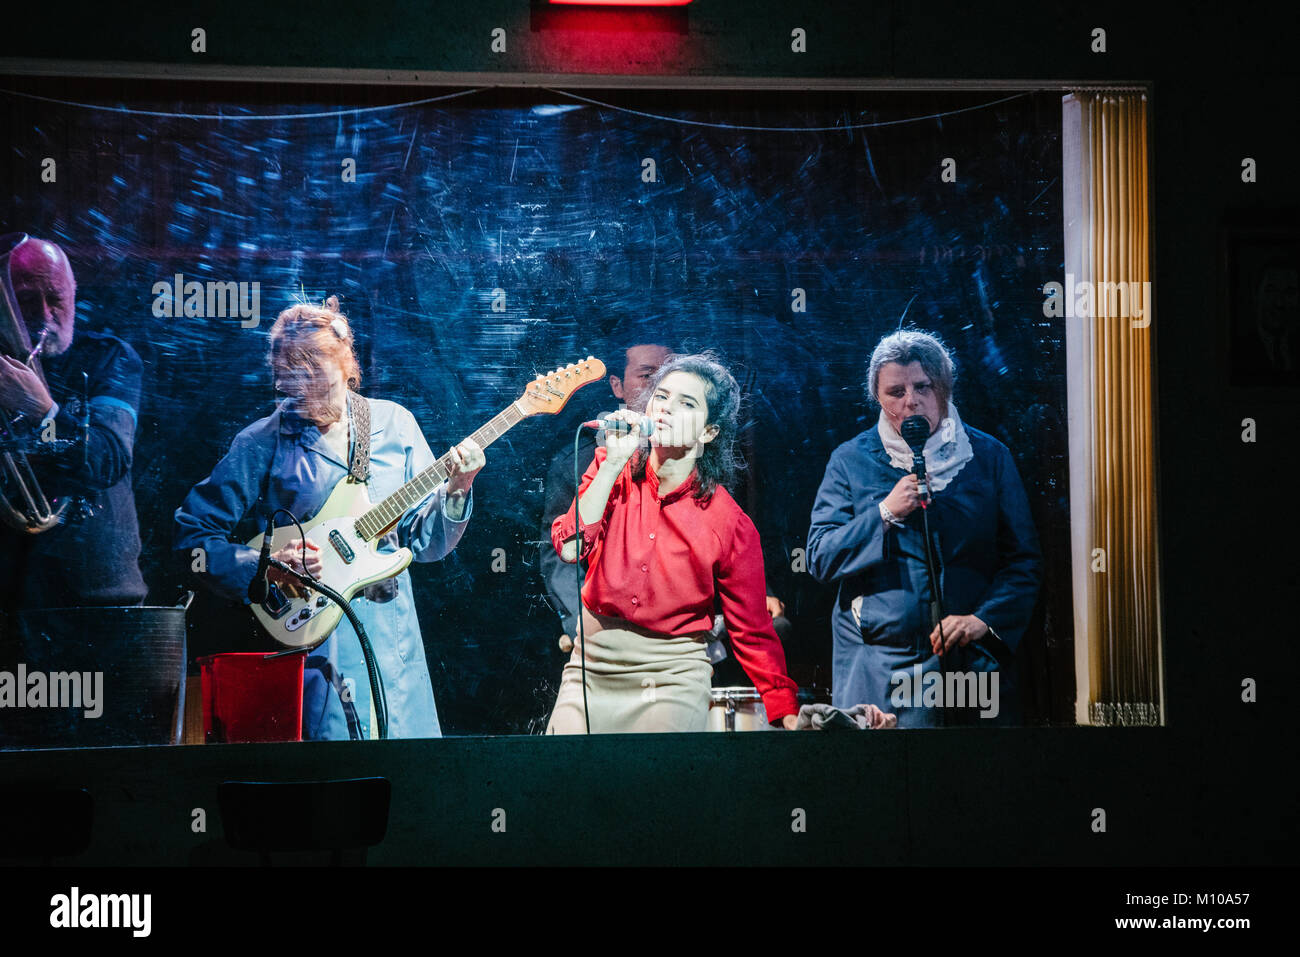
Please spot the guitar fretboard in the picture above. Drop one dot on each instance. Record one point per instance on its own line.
(386, 513)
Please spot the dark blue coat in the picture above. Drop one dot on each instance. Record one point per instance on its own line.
(988, 550)
(93, 559)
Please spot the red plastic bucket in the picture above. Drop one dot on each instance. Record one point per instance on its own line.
(252, 696)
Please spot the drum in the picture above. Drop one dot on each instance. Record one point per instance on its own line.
(737, 709)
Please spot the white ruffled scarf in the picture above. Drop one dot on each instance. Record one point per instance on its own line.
(946, 452)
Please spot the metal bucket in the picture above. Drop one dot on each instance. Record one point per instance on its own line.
(112, 676)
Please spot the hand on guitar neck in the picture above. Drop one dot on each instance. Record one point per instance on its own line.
(467, 460)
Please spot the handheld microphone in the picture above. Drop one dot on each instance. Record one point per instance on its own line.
(610, 424)
(257, 587)
(915, 430)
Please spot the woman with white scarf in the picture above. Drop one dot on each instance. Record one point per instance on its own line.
(867, 534)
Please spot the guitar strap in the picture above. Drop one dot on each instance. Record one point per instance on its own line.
(359, 471)
(359, 466)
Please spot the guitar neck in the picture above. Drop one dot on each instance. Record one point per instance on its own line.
(373, 523)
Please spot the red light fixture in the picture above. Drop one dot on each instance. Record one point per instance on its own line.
(621, 3)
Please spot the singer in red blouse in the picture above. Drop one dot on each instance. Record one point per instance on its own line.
(664, 543)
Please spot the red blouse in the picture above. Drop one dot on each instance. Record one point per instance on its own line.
(660, 562)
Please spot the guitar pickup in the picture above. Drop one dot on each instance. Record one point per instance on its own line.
(341, 546)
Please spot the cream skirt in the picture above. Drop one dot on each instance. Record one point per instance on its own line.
(636, 681)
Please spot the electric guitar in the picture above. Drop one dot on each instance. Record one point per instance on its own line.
(348, 526)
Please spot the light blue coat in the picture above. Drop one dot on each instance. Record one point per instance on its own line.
(282, 461)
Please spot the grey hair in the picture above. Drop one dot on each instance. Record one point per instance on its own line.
(912, 345)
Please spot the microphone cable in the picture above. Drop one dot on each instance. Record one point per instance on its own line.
(937, 601)
(577, 569)
(914, 430)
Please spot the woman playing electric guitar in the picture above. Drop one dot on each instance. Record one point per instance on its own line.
(293, 459)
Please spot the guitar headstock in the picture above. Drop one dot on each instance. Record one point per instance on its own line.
(547, 394)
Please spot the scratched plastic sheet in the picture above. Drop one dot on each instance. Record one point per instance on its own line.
(477, 238)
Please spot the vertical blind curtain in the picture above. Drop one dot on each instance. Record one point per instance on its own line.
(1119, 673)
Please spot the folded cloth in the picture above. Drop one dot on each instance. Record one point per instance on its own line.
(861, 717)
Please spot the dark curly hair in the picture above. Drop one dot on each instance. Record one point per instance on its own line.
(719, 462)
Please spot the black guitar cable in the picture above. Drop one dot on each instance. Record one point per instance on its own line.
(367, 650)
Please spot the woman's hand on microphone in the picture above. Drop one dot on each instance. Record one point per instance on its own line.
(903, 499)
(619, 446)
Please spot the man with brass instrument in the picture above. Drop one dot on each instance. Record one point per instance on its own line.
(70, 403)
